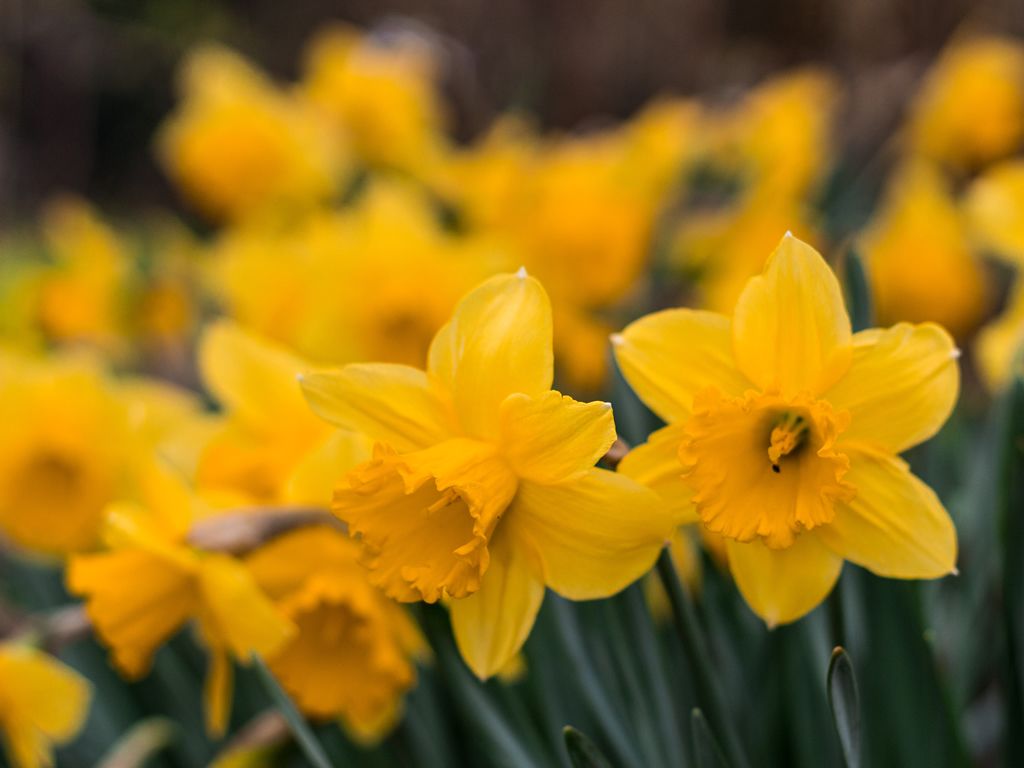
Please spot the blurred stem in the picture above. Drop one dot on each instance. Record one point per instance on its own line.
(300, 729)
(708, 692)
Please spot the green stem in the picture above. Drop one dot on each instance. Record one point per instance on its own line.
(300, 729)
(710, 696)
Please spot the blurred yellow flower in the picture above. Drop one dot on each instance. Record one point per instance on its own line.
(150, 583)
(994, 206)
(353, 655)
(970, 109)
(919, 258)
(306, 286)
(379, 92)
(999, 342)
(784, 429)
(42, 703)
(238, 145)
(72, 442)
(482, 488)
(777, 139)
(268, 448)
(82, 296)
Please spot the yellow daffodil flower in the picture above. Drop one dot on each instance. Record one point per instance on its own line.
(482, 488)
(305, 286)
(42, 703)
(150, 583)
(994, 208)
(999, 342)
(239, 146)
(919, 258)
(379, 92)
(268, 448)
(970, 110)
(777, 139)
(82, 295)
(784, 429)
(353, 655)
(72, 442)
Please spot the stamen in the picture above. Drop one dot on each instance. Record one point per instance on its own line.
(787, 435)
(447, 498)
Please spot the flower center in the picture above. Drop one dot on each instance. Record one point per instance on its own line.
(741, 495)
(425, 519)
(786, 437)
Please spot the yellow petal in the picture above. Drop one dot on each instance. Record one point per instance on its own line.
(252, 378)
(236, 614)
(998, 342)
(497, 343)
(669, 356)
(43, 692)
(901, 386)
(791, 333)
(492, 624)
(782, 585)
(284, 564)
(995, 210)
(656, 464)
(394, 404)
(592, 536)
(135, 600)
(551, 438)
(895, 526)
(314, 478)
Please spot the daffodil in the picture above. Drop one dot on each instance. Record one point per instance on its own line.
(994, 206)
(783, 430)
(970, 110)
(73, 441)
(82, 294)
(353, 654)
(239, 146)
(267, 448)
(380, 93)
(919, 258)
(151, 583)
(777, 139)
(305, 285)
(482, 488)
(42, 703)
(999, 343)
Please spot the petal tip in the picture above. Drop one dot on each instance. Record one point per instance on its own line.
(788, 235)
(617, 339)
(955, 353)
(521, 273)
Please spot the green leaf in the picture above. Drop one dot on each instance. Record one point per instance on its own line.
(845, 705)
(503, 745)
(141, 742)
(300, 729)
(582, 752)
(691, 636)
(1010, 498)
(705, 746)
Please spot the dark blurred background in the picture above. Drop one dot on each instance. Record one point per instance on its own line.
(83, 85)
